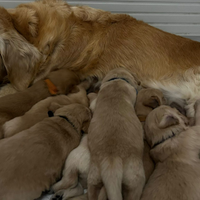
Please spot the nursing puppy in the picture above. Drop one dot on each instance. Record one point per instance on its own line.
(76, 169)
(40, 110)
(115, 139)
(58, 82)
(175, 149)
(32, 160)
(147, 100)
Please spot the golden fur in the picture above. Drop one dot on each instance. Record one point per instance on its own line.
(27, 171)
(17, 104)
(115, 139)
(177, 174)
(92, 41)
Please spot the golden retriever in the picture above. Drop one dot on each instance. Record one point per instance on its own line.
(32, 160)
(40, 110)
(175, 149)
(57, 82)
(115, 140)
(92, 42)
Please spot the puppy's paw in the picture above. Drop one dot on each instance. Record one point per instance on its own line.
(57, 196)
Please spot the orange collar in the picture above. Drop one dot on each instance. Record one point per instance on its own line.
(142, 118)
(51, 87)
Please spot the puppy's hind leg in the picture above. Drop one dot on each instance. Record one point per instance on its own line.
(94, 182)
(133, 180)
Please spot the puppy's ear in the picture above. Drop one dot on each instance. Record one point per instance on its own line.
(178, 107)
(54, 106)
(153, 102)
(74, 89)
(168, 119)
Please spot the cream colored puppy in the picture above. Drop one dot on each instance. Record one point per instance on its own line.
(115, 139)
(175, 148)
(32, 160)
(40, 110)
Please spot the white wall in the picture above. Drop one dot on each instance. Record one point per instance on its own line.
(180, 17)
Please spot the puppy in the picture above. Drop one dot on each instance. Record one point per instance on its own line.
(147, 100)
(32, 160)
(76, 169)
(40, 110)
(115, 139)
(58, 82)
(175, 149)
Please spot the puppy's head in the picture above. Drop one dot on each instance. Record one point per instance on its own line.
(64, 80)
(147, 100)
(121, 73)
(79, 114)
(162, 123)
(19, 57)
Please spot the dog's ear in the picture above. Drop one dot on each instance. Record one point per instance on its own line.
(20, 59)
(25, 21)
(169, 119)
(152, 102)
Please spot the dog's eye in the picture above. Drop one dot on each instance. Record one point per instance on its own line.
(50, 113)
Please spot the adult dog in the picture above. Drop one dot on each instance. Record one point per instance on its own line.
(92, 42)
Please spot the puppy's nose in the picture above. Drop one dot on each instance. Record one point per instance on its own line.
(50, 113)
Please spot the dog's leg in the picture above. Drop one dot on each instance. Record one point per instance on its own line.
(69, 180)
(133, 180)
(82, 197)
(94, 182)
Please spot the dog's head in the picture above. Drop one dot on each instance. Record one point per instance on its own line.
(64, 80)
(162, 123)
(19, 57)
(147, 100)
(78, 114)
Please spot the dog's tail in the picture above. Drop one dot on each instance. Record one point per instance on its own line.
(112, 174)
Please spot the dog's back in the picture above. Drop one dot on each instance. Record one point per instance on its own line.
(116, 143)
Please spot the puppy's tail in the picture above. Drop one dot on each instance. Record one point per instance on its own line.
(112, 174)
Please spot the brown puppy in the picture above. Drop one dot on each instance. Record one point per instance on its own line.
(32, 160)
(175, 149)
(40, 110)
(58, 82)
(147, 100)
(115, 139)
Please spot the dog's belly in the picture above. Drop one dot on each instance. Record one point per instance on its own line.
(183, 89)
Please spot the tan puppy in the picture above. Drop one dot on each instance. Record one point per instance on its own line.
(32, 160)
(175, 149)
(76, 169)
(147, 100)
(40, 110)
(58, 82)
(115, 139)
